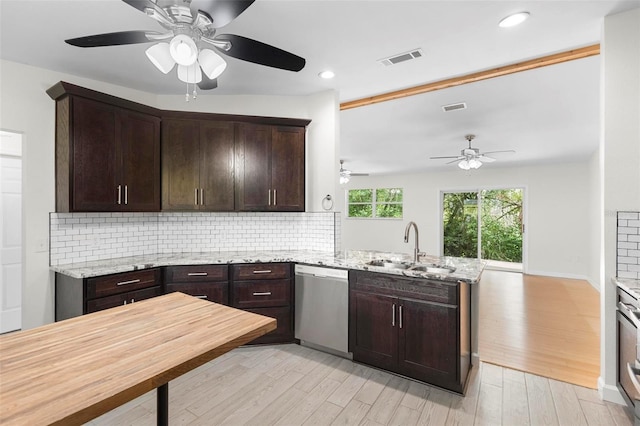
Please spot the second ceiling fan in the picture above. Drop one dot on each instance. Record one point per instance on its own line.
(189, 25)
(472, 158)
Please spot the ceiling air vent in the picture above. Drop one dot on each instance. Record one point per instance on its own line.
(453, 107)
(402, 57)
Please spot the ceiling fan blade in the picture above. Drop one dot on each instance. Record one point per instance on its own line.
(222, 11)
(485, 159)
(257, 52)
(207, 83)
(359, 174)
(114, 39)
(454, 161)
(457, 157)
(495, 152)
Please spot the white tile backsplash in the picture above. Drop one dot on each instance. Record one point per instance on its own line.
(79, 237)
(628, 245)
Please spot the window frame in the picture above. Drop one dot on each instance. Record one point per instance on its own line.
(373, 203)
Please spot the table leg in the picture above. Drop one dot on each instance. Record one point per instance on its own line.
(163, 405)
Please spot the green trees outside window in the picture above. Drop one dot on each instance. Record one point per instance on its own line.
(378, 203)
(501, 224)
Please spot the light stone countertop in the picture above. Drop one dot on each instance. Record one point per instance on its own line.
(630, 285)
(467, 270)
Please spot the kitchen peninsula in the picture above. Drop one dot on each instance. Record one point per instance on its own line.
(431, 306)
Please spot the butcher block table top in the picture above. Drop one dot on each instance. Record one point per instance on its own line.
(72, 371)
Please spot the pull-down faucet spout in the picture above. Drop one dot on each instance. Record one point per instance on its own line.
(416, 251)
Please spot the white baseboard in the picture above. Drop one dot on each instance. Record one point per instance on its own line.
(610, 393)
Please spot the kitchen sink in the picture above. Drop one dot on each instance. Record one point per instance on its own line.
(433, 268)
(389, 264)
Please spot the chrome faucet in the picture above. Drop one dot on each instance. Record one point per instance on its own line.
(416, 251)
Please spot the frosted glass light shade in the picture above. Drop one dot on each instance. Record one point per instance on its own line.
(183, 50)
(190, 74)
(212, 64)
(464, 165)
(159, 56)
(475, 164)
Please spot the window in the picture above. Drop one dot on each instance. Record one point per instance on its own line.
(375, 203)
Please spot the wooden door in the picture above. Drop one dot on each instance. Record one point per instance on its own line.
(139, 159)
(428, 342)
(180, 164)
(217, 156)
(373, 332)
(94, 157)
(253, 165)
(287, 168)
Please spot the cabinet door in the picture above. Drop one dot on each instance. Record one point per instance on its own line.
(627, 338)
(94, 157)
(139, 158)
(373, 332)
(122, 299)
(428, 348)
(287, 168)
(216, 165)
(284, 328)
(180, 164)
(253, 165)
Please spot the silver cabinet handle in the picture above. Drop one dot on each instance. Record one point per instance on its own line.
(201, 197)
(128, 282)
(269, 192)
(197, 274)
(119, 194)
(400, 315)
(275, 198)
(203, 296)
(126, 194)
(125, 302)
(133, 300)
(393, 315)
(263, 271)
(265, 293)
(196, 197)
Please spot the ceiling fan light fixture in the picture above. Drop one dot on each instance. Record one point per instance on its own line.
(212, 64)
(513, 20)
(191, 74)
(160, 56)
(464, 165)
(183, 50)
(344, 178)
(474, 163)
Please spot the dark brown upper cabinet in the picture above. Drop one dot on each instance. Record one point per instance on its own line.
(197, 165)
(107, 157)
(270, 172)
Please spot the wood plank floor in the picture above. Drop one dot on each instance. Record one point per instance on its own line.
(295, 385)
(541, 325)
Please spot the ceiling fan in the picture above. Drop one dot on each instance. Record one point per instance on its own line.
(472, 158)
(345, 175)
(190, 25)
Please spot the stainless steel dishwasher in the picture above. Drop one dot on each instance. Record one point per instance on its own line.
(322, 309)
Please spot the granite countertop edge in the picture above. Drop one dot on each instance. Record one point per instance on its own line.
(467, 270)
(630, 285)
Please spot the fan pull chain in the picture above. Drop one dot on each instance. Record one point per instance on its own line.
(186, 96)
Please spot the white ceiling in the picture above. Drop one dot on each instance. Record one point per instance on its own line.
(546, 115)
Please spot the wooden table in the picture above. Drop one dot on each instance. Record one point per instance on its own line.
(75, 370)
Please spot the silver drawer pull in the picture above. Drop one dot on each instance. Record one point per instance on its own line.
(266, 293)
(197, 274)
(128, 282)
(203, 296)
(393, 315)
(264, 271)
(400, 316)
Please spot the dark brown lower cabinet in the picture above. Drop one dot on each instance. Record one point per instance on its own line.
(207, 282)
(415, 327)
(266, 289)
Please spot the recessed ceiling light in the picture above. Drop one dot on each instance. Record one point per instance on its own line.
(513, 20)
(327, 74)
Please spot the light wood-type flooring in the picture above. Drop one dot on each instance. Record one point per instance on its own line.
(541, 325)
(295, 385)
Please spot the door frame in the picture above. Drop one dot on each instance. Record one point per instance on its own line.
(525, 215)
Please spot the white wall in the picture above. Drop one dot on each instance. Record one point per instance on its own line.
(557, 198)
(620, 173)
(26, 108)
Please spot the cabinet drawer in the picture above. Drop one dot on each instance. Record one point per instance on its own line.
(122, 299)
(284, 329)
(261, 271)
(121, 283)
(257, 294)
(214, 291)
(196, 273)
